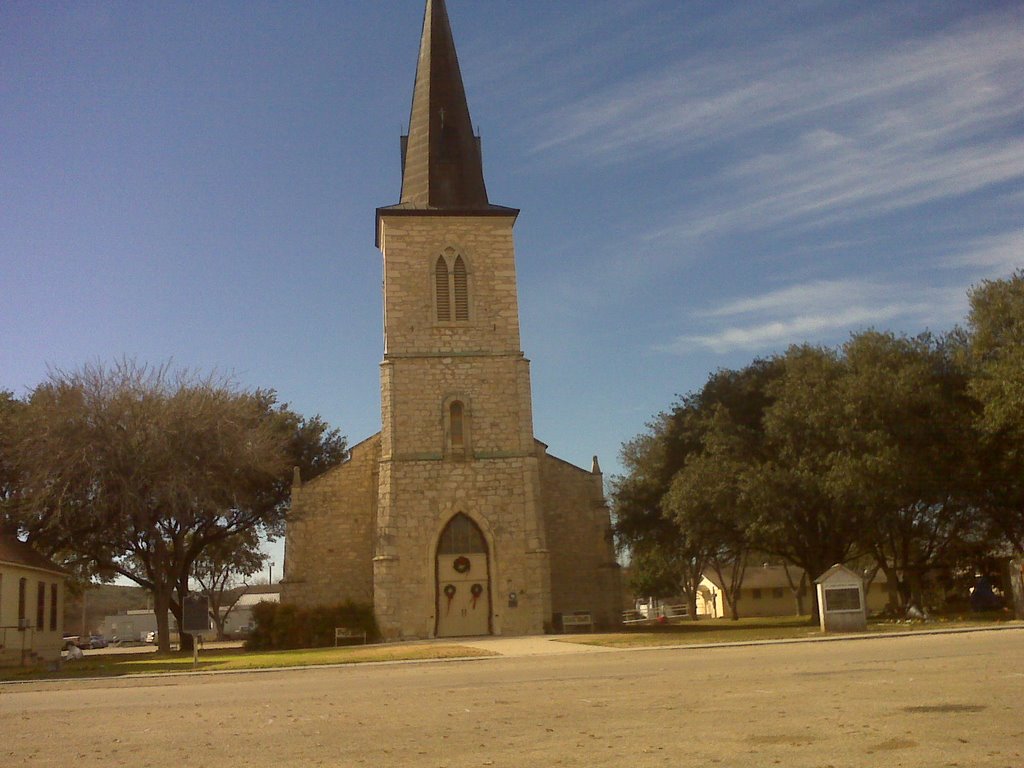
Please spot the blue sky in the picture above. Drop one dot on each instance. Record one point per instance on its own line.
(700, 184)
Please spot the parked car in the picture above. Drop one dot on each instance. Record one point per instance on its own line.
(68, 641)
(97, 641)
(150, 637)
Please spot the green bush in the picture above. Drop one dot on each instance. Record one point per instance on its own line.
(282, 626)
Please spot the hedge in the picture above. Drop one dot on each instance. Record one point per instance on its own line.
(280, 626)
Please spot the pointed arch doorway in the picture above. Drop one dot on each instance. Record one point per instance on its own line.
(463, 581)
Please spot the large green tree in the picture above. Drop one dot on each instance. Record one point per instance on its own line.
(794, 514)
(995, 355)
(661, 503)
(908, 455)
(137, 470)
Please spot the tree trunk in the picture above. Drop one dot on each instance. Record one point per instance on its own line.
(893, 587)
(161, 606)
(734, 609)
(1014, 581)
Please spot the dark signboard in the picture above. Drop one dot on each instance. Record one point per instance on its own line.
(195, 614)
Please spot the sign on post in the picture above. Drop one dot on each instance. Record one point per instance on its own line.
(195, 614)
(195, 621)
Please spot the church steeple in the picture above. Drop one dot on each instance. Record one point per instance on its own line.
(441, 163)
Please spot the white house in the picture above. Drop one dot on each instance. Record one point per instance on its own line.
(31, 605)
(768, 591)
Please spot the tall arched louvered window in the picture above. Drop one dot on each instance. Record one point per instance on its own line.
(461, 290)
(451, 287)
(443, 289)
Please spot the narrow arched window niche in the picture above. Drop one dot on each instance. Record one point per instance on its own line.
(451, 288)
(456, 427)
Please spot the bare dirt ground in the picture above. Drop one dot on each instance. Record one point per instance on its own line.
(930, 701)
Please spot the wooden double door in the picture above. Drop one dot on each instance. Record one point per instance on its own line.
(463, 584)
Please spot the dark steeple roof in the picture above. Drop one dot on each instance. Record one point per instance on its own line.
(441, 163)
(442, 169)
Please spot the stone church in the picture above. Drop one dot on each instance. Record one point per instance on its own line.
(453, 520)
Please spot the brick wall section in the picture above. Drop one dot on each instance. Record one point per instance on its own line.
(584, 573)
(329, 544)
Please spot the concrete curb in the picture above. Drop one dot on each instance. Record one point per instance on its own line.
(1016, 625)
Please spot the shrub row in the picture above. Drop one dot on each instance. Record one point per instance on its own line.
(281, 626)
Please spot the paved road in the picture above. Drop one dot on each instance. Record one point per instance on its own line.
(945, 700)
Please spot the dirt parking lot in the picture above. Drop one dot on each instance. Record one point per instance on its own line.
(928, 701)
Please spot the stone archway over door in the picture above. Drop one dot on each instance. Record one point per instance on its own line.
(463, 585)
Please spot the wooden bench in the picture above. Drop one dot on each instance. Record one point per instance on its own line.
(344, 633)
(573, 621)
(676, 611)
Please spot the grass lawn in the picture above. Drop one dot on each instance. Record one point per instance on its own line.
(751, 630)
(119, 665)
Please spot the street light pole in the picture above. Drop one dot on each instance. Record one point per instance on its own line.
(271, 573)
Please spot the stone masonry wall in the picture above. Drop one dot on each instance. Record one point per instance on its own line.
(423, 483)
(499, 495)
(584, 573)
(411, 246)
(330, 540)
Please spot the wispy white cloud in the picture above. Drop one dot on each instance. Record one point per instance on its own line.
(816, 311)
(815, 138)
(995, 256)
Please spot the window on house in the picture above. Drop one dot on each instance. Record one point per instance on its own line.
(756, 594)
(41, 606)
(777, 593)
(451, 285)
(53, 607)
(22, 597)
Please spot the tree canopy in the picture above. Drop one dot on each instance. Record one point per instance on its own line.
(136, 471)
(901, 453)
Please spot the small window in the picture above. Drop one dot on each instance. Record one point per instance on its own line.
(53, 607)
(756, 594)
(455, 412)
(457, 437)
(41, 606)
(22, 597)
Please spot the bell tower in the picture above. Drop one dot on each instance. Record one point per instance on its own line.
(458, 459)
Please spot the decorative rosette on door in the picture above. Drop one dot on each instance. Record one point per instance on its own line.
(476, 590)
(462, 564)
(449, 592)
